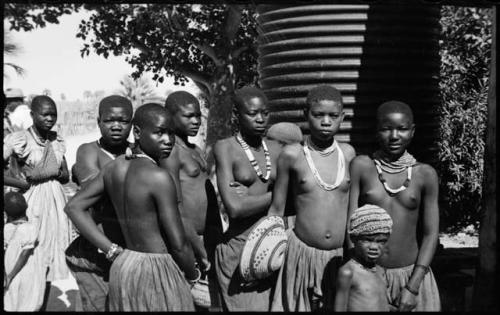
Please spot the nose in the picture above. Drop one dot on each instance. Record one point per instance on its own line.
(259, 117)
(393, 134)
(116, 125)
(326, 121)
(196, 121)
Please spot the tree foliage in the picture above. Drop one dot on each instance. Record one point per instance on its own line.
(465, 55)
(138, 91)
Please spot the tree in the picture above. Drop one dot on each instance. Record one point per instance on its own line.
(87, 94)
(47, 92)
(138, 91)
(213, 45)
(465, 49)
(10, 48)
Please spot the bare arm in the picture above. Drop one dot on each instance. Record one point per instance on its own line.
(355, 169)
(285, 160)
(173, 166)
(63, 176)
(21, 261)
(237, 206)
(15, 182)
(344, 282)
(165, 196)
(77, 210)
(87, 164)
(430, 212)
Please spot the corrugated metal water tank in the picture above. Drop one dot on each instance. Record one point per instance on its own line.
(371, 52)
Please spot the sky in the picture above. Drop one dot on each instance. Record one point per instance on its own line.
(51, 58)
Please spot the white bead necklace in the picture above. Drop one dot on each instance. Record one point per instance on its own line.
(314, 170)
(253, 161)
(390, 190)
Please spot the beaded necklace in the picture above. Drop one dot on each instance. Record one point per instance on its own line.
(111, 155)
(145, 156)
(314, 170)
(322, 152)
(253, 161)
(406, 161)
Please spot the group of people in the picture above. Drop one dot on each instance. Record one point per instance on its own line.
(151, 234)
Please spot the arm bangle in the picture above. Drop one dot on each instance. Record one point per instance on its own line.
(113, 252)
(192, 282)
(422, 266)
(411, 290)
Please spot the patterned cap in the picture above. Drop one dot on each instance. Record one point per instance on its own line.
(368, 220)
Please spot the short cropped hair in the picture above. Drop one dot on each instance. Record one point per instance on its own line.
(394, 107)
(146, 113)
(115, 101)
(323, 92)
(15, 205)
(246, 93)
(40, 100)
(179, 99)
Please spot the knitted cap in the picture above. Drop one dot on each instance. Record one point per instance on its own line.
(285, 132)
(368, 220)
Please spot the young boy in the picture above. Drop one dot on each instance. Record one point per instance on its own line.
(408, 191)
(360, 283)
(89, 267)
(318, 173)
(153, 272)
(24, 270)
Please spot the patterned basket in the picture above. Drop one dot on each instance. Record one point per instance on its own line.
(201, 294)
(264, 249)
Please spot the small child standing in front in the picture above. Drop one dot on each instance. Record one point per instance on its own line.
(24, 275)
(360, 282)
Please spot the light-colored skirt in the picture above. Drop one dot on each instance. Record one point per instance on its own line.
(428, 295)
(46, 203)
(147, 282)
(307, 274)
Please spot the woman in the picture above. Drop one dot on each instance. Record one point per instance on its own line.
(40, 152)
(244, 179)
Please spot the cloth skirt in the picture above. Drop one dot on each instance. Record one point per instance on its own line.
(237, 295)
(148, 282)
(428, 294)
(307, 277)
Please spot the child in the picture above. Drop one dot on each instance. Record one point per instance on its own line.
(360, 285)
(318, 173)
(24, 282)
(408, 190)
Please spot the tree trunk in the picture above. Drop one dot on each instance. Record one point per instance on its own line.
(219, 113)
(484, 297)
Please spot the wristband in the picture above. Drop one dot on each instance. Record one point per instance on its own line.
(422, 266)
(113, 252)
(411, 290)
(192, 282)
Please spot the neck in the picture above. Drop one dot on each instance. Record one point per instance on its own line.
(41, 133)
(364, 263)
(182, 140)
(23, 218)
(321, 144)
(114, 149)
(390, 157)
(252, 140)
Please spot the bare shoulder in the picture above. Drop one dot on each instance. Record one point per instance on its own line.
(87, 149)
(361, 162)
(222, 145)
(427, 172)
(346, 272)
(348, 150)
(291, 151)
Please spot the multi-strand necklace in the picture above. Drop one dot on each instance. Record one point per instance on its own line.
(314, 170)
(405, 162)
(252, 159)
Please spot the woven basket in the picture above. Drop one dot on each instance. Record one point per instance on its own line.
(201, 294)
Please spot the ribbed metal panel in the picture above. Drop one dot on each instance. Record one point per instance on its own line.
(371, 53)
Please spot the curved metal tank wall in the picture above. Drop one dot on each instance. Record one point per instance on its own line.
(371, 53)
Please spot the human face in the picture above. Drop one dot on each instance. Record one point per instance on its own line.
(187, 120)
(44, 117)
(155, 139)
(324, 119)
(115, 124)
(394, 133)
(369, 248)
(253, 116)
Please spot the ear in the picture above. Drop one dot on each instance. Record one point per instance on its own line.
(342, 114)
(412, 130)
(137, 133)
(98, 120)
(32, 114)
(306, 112)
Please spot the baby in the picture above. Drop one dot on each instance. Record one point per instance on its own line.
(360, 282)
(24, 273)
